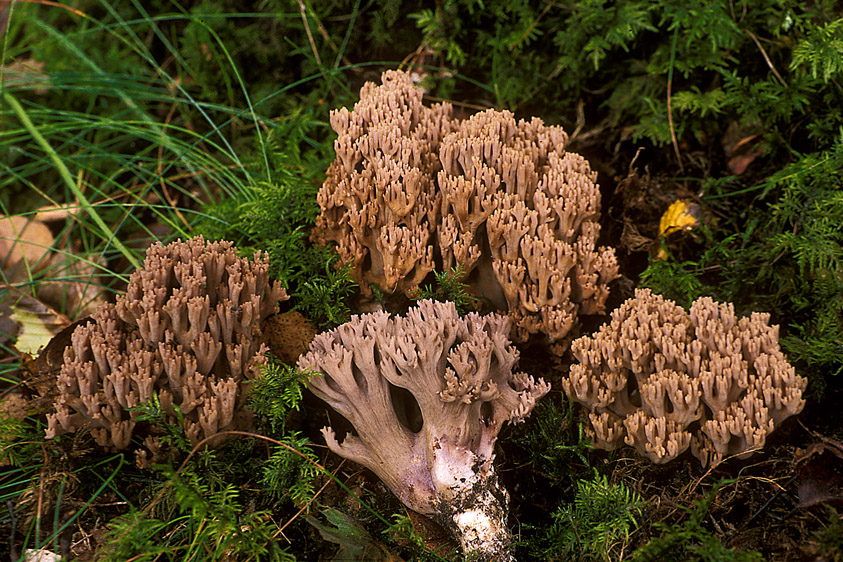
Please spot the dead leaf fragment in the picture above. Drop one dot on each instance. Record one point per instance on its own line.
(26, 73)
(742, 145)
(356, 544)
(820, 475)
(42, 371)
(24, 247)
(36, 322)
(681, 216)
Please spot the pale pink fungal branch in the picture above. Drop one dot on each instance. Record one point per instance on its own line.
(413, 189)
(663, 380)
(460, 374)
(187, 330)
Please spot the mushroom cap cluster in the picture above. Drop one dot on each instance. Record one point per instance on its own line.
(414, 189)
(662, 379)
(187, 331)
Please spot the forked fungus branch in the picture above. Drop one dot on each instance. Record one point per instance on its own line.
(413, 188)
(187, 329)
(460, 374)
(663, 380)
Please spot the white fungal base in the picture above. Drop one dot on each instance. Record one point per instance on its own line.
(472, 504)
(482, 531)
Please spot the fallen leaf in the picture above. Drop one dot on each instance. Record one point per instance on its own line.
(36, 322)
(26, 73)
(356, 544)
(24, 247)
(681, 215)
(739, 164)
(72, 285)
(632, 239)
(820, 475)
(742, 145)
(42, 371)
(8, 327)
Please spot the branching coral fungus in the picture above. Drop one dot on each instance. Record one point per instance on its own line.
(187, 330)
(413, 189)
(663, 379)
(459, 372)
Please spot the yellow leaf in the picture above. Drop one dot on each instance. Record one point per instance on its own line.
(681, 215)
(36, 322)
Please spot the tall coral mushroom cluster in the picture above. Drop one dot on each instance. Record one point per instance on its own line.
(187, 329)
(413, 189)
(663, 379)
(460, 373)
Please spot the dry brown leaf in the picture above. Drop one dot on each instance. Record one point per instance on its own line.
(742, 145)
(24, 247)
(42, 371)
(25, 73)
(8, 327)
(739, 164)
(820, 474)
(52, 213)
(72, 285)
(36, 322)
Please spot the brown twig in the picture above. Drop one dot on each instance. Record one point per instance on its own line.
(309, 34)
(303, 508)
(766, 58)
(535, 22)
(672, 128)
(166, 192)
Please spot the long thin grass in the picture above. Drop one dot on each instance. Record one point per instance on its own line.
(119, 151)
(126, 154)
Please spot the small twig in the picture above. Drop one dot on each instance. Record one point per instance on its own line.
(763, 508)
(41, 485)
(535, 22)
(580, 123)
(766, 58)
(55, 5)
(456, 103)
(13, 550)
(166, 192)
(309, 34)
(669, 110)
(827, 440)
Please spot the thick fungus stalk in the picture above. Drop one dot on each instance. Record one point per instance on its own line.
(459, 372)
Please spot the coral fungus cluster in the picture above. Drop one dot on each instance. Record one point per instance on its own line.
(187, 330)
(662, 379)
(413, 188)
(459, 374)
